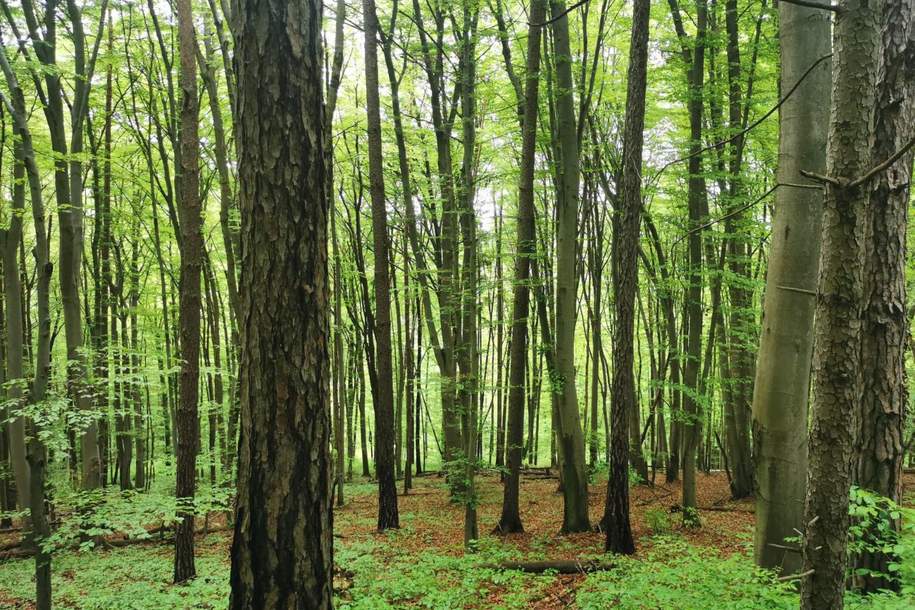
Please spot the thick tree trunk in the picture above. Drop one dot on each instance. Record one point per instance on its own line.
(625, 280)
(837, 379)
(786, 340)
(885, 333)
(282, 554)
(191, 223)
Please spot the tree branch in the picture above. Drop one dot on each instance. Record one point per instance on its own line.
(826, 7)
(883, 166)
(560, 15)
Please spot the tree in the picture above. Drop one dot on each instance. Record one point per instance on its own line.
(625, 280)
(36, 452)
(569, 435)
(884, 398)
(839, 303)
(786, 342)
(285, 470)
(510, 520)
(383, 400)
(191, 246)
(697, 206)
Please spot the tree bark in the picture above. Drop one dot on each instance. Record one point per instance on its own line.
(625, 279)
(510, 520)
(282, 554)
(839, 304)
(786, 342)
(383, 401)
(885, 334)
(191, 246)
(569, 435)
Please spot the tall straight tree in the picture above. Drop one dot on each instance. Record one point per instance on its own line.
(10, 239)
(282, 552)
(697, 206)
(886, 326)
(510, 520)
(837, 378)
(569, 435)
(786, 342)
(468, 352)
(36, 452)
(625, 279)
(384, 400)
(191, 246)
(68, 183)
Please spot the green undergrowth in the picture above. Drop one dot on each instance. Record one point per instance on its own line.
(402, 569)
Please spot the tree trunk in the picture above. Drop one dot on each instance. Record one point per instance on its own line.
(786, 340)
(625, 279)
(510, 520)
(282, 553)
(569, 435)
(885, 333)
(383, 400)
(837, 379)
(191, 246)
(9, 242)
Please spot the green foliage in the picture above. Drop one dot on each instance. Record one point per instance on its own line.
(130, 578)
(658, 521)
(674, 574)
(431, 580)
(879, 525)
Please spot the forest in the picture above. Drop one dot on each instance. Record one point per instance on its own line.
(456, 304)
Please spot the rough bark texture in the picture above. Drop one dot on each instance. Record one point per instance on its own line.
(569, 435)
(383, 401)
(625, 278)
(885, 334)
(837, 373)
(191, 222)
(510, 520)
(282, 552)
(786, 340)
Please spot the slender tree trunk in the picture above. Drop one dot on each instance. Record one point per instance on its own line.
(569, 435)
(383, 400)
(11, 238)
(36, 453)
(191, 222)
(510, 520)
(625, 279)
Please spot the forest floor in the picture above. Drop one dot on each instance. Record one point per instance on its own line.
(423, 564)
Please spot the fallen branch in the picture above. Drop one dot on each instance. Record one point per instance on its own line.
(795, 576)
(24, 551)
(571, 566)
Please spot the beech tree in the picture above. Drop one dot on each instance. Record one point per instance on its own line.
(786, 342)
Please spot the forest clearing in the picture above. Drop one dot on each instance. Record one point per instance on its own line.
(315, 304)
